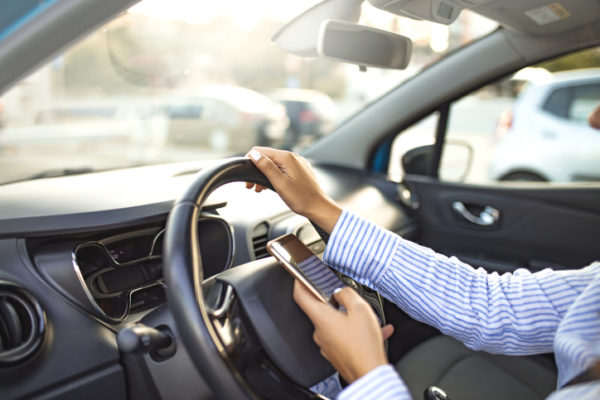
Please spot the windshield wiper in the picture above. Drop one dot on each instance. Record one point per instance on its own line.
(58, 172)
(54, 173)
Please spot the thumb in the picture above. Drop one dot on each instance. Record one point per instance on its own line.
(314, 309)
(347, 297)
(266, 166)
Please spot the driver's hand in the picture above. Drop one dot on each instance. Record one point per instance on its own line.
(294, 181)
(352, 341)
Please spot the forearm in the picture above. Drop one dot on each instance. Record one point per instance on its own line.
(325, 215)
(513, 313)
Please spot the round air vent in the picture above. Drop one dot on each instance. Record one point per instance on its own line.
(22, 324)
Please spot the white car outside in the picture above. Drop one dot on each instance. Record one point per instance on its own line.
(546, 137)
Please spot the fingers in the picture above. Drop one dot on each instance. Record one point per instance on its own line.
(260, 157)
(387, 331)
(315, 309)
(265, 164)
(305, 299)
(284, 161)
(273, 154)
(257, 188)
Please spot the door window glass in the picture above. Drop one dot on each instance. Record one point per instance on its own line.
(558, 102)
(533, 125)
(585, 99)
(419, 134)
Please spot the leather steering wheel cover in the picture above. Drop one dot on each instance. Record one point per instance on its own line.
(183, 274)
(237, 169)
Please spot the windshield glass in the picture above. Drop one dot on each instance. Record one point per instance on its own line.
(193, 80)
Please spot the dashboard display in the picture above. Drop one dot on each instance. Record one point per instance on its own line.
(131, 249)
(123, 273)
(120, 279)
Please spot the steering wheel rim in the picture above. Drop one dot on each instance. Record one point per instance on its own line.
(183, 273)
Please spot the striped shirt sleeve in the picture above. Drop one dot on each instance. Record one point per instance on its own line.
(513, 313)
(584, 391)
(382, 383)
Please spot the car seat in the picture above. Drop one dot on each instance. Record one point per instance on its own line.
(465, 374)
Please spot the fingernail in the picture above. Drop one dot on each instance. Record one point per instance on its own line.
(255, 155)
(337, 290)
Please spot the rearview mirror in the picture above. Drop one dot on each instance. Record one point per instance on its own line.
(363, 45)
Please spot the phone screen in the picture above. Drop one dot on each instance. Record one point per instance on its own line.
(305, 265)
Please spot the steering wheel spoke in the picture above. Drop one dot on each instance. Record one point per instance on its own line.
(224, 314)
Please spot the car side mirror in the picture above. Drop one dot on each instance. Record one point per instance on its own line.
(455, 163)
(418, 161)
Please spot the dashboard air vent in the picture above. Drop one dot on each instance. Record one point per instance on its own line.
(22, 324)
(260, 236)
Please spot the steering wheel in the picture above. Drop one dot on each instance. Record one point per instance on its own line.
(241, 328)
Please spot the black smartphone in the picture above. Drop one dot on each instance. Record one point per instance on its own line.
(305, 266)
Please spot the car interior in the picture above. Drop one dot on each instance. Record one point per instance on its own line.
(153, 281)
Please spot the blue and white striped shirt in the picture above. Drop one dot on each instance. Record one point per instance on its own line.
(517, 313)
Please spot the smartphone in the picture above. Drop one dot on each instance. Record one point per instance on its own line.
(305, 266)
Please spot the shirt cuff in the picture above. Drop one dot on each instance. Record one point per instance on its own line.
(360, 249)
(382, 383)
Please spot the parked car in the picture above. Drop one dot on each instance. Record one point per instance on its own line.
(226, 118)
(545, 135)
(311, 113)
(153, 282)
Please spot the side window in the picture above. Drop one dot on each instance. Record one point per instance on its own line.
(573, 102)
(531, 126)
(558, 102)
(584, 100)
(419, 134)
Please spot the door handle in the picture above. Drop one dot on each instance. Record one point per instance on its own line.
(488, 217)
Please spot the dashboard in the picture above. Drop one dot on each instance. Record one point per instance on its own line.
(121, 275)
(81, 257)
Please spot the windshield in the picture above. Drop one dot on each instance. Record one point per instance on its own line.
(184, 80)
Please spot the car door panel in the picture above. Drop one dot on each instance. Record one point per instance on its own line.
(536, 228)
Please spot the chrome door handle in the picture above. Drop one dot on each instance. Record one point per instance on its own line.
(488, 217)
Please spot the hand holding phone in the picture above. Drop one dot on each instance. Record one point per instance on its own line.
(305, 266)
